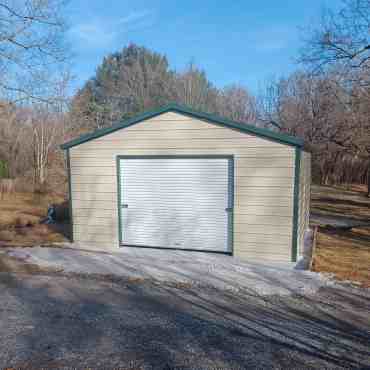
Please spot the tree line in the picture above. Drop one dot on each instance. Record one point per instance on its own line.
(137, 79)
(325, 101)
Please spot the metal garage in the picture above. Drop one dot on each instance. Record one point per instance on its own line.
(176, 178)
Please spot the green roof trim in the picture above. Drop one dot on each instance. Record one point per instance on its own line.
(243, 127)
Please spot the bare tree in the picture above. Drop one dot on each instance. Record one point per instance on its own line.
(320, 111)
(341, 42)
(237, 104)
(193, 89)
(32, 52)
(13, 136)
(47, 130)
(342, 39)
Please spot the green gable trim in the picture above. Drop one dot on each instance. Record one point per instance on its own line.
(296, 200)
(246, 128)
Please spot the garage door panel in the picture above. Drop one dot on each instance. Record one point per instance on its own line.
(175, 202)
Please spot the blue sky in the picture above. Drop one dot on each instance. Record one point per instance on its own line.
(234, 41)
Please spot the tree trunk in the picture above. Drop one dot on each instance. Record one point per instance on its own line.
(368, 180)
(42, 175)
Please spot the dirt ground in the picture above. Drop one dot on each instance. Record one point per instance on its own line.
(20, 216)
(9, 264)
(52, 319)
(344, 253)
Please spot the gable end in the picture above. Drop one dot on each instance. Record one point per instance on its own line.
(245, 128)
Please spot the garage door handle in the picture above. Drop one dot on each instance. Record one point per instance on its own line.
(124, 206)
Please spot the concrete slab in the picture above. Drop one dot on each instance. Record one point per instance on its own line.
(193, 268)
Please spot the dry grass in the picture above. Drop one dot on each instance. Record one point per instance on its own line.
(25, 207)
(20, 216)
(344, 253)
(341, 202)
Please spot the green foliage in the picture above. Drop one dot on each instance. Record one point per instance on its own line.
(4, 173)
(125, 84)
(137, 79)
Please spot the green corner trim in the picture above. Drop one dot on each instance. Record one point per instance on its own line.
(210, 118)
(70, 197)
(297, 171)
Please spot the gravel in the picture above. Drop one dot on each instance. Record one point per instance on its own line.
(192, 268)
(52, 321)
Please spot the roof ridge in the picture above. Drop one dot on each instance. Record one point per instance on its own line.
(182, 109)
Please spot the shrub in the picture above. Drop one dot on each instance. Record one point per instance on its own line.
(4, 173)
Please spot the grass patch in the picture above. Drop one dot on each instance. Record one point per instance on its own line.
(341, 202)
(35, 235)
(20, 216)
(344, 253)
(25, 208)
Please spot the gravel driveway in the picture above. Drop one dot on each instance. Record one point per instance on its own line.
(192, 268)
(64, 320)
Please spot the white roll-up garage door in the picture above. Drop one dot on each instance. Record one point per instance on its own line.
(181, 202)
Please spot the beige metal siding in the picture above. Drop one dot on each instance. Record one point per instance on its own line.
(263, 192)
(304, 198)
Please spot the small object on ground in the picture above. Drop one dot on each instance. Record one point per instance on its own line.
(51, 216)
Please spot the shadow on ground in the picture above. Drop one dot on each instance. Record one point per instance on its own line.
(349, 235)
(54, 320)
